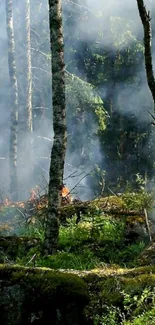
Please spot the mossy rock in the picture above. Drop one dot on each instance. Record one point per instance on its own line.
(41, 296)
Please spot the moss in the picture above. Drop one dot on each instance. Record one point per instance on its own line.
(63, 290)
(107, 287)
(134, 219)
(65, 294)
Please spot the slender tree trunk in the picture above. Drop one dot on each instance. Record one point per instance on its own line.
(13, 102)
(146, 21)
(26, 164)
(29, 72)
(59, 126)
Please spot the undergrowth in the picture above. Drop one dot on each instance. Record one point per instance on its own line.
(93, 242)
(96, 242)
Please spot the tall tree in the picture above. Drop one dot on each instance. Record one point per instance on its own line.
(59, 125)
(146, 22)
(28, 72)
(26, 178)
(13, 102)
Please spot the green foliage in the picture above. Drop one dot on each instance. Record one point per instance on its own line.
(65, 260)
(35, 230)
(97, 228)
(146, 318)
(110, 317)
(138, 200)
(126, 300)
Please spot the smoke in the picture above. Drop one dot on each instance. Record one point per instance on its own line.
(99, 22)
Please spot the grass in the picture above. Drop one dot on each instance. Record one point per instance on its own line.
(93, 242)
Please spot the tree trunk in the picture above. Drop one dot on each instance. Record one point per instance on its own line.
(25, 114)
(59, 126)
(13, 102)
(146, 21)
(29, 72)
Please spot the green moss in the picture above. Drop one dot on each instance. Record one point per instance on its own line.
(108, 288)
(65, 294)
(46, 279)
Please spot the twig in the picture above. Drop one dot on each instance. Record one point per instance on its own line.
(72, 175)
(112, 191)
(40, 107)
(44, 54)
(23, 215)
(147, 224)
(33, 259)
(151, 115)
(82, 7)
(45, 138)
(78, 182)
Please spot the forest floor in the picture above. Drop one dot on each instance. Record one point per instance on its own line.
(108, 242)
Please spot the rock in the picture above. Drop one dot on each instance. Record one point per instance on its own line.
(41, 296)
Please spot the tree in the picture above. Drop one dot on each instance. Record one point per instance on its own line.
(146, 21)
(59, 126)
(25, 104)
(13, 102)
(28, 73)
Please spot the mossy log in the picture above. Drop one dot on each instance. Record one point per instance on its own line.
(112, 205)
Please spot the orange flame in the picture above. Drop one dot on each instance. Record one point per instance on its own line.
(65, 191)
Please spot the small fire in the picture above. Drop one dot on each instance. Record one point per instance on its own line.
(65, 191)
(8, 203)
(38, 201)
(66, 196)
(34, 194)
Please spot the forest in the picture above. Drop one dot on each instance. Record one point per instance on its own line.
(77, 162)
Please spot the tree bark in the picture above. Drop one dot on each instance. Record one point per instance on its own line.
(13, 102)
(59, 126)
(26, 179)
(29, 70)
(146, 21)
